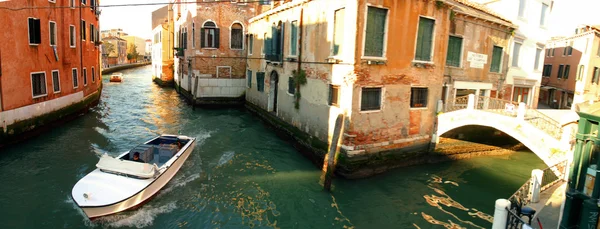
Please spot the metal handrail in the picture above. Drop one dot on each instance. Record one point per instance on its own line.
(543, 122)
(497, 105)
(513, 220)
(521, 196)
(553, 175)
(458, 103)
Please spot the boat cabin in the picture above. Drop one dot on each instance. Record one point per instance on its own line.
(157, 151)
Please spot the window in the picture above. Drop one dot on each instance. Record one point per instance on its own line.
(547, 70)
(260, 81)
(237, 36)
(338, 31)
(38, 84)
(183, 37)
(84, 77)
(522, 4)
(92, 32)
(516, 51)
(93, 75)
(83, 2)
(598, 52)
(424, 39)
(596, 75)
(291, 86)
(418, 97)
(249, 78)
(567, 69)
(55, 81)
(538, 53)
(375, 32)
(274, 48)
(496, 59)
(83, 30)
(560, 71)
(570, 49)
(544, 12)
(580, 73)
(72, 36)
(553, 51)
(334, 95)
(35, 33)
(193, 35)
(75, 78)
(209, 35)
(453, 56)
(72, 4)
(250, 44)
(52, 1)
(294, 39)
(370, 99)
(52, 28)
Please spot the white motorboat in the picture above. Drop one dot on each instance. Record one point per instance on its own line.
(118, 184)
(116, 77)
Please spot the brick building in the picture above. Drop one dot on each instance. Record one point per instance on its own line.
(571, 69)
(116, 50)
(162, 45)
(211, 50)
(49, 63)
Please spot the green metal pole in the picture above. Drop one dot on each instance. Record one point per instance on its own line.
(585, 163)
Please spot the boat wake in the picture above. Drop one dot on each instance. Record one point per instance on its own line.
(140, 218)
(178, 182)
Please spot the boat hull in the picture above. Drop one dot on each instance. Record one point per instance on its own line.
(142, 196)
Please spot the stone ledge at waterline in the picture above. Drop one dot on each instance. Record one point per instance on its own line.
(162, 83)
(211, 101)
(24, 129)
(123, 67)
(355, 166)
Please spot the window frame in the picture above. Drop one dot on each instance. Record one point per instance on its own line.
(260, 86)
(385, 38)
(538, 58)
(230, 72)
(193, 35)
(83, 29)
(72, 4)
(250, 44)
(460, 55)
(45, 84)
(264, 44)
(93, 74)
(521, 13)
(249, 78)
(215, 38)
(381, 99)
(293, 52)
(567, 71)
(561, 70)
(72, 37)
(75, 77)
(501, 59)
(544, 17)
(55, 83)
(290, 82)
(431, 54)
(84, 76)
(580, 73)
(410, 104)
(516, 56)
(29, 32)
(50, 33)
(330, 99)
(231, 35)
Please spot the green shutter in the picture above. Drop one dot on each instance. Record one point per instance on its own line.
(496, 59)
(424, 39)
(294, 38)
(454, 47)
(375, 32)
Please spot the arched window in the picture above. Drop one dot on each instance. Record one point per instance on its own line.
(237, 36)
(209, 35)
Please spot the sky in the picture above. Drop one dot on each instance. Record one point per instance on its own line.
(137, 20)
(134, 20)
(568, 14)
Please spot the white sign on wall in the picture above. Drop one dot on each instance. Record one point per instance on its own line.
(477, 60)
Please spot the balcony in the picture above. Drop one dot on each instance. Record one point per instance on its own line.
(179, 52)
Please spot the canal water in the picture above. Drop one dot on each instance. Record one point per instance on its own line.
(241, 175)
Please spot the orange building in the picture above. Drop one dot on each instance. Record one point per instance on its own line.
(49, 63)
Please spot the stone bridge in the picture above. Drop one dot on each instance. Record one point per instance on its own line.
(546, 137)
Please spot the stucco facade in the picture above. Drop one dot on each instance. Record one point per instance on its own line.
(162, 46)
(571, 66)
(469, 63)
(49, 60)
(526, 46)
(211, 43)
(118, 54)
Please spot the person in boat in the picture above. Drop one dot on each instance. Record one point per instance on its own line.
(136, 158)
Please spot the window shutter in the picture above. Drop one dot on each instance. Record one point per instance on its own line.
(37, 31)
(424, 39)
(281, 42)
(202, 38)
(217, 37)
(31, 30)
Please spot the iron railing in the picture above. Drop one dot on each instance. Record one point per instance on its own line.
(543, 122)
(553, 175)
(521, 196)
(458, 103)
(514, 221)
(500, 106)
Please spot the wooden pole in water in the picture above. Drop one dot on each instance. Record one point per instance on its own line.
(195, 91)
(334, 149)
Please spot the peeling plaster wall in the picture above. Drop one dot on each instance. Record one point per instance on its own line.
(479, 37)
(382, 130)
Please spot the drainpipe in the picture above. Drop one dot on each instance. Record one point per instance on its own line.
(1, 97)
(300, 32)
(80, 72)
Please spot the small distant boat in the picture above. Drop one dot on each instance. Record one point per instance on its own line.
(119, 184)
(116, 77)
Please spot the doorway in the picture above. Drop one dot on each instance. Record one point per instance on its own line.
(274, 81)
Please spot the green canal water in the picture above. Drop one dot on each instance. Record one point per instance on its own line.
(241, 175)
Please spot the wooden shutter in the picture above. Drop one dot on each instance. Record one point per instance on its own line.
(37, 33)
(202, 38)
(424, 39)
(281, 42)
(375, 32)
(217, 37)
(454, 47)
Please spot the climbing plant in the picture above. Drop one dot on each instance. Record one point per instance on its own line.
(439, 4)
(299, 80)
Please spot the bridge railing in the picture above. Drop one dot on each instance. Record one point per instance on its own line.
(458, 103)
(543, 122)
(500, 106)
(553, 174)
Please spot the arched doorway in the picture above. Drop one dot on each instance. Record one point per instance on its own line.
(274, 81)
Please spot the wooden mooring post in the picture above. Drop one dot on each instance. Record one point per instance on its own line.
(334, 150)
